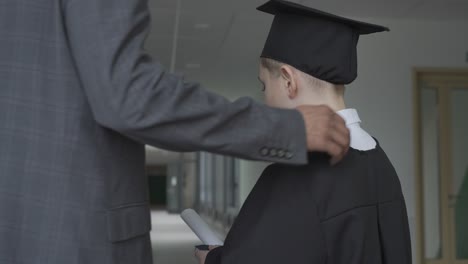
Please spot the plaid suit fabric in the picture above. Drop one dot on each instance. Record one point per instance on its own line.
(78, 99)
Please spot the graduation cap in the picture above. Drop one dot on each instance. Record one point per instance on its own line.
(320, 44)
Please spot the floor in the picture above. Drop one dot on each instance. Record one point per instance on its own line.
(173, 242)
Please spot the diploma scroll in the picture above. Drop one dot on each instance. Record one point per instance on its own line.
(200, 228)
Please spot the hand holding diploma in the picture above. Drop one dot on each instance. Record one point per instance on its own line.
(203, 232)
(201, 254)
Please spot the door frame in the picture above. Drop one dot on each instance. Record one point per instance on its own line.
(443, 79)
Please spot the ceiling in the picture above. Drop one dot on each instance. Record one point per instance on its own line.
(213, 30)
(218, 41)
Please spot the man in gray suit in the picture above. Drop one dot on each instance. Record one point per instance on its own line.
(78, 101)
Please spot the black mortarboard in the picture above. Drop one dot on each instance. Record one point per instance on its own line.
(320, 44)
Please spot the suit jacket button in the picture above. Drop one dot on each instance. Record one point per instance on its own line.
(264, 151)
(273, 152)
(281, 153)
(289, 155)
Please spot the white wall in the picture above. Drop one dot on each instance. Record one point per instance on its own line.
(386, 64)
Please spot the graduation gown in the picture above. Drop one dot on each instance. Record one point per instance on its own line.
(353, 212)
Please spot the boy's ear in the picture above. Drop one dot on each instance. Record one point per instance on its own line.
(289, 80)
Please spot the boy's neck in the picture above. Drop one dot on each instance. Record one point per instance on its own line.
(333, 98)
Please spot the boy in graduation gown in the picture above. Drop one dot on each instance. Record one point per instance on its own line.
(353, 212)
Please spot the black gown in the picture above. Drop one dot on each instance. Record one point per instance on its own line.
(350, 213)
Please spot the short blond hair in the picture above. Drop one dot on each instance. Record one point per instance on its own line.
(274, 67)
(271, 65)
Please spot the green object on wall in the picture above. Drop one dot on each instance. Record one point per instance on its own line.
(461, 220)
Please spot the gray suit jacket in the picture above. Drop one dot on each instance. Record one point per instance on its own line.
(78, 101)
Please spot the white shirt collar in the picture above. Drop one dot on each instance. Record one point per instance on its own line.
(360, 139)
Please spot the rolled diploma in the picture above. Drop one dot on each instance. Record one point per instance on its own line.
(200, 228)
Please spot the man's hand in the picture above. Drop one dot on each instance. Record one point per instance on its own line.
(201, 254)
(326, 131)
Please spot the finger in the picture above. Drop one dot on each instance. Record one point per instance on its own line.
(338, 152)
(334, 150)
(340, 118)
(335, 160)
(341, 135)
(343, 144)
(339, 124)
(341, 138)
(339, 157)
(198, 254)
(323, 109)
(342, 129)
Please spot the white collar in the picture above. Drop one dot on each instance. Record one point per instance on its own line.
(350, 116)
(360, 139)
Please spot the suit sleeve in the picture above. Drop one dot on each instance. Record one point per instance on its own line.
(132, 94)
